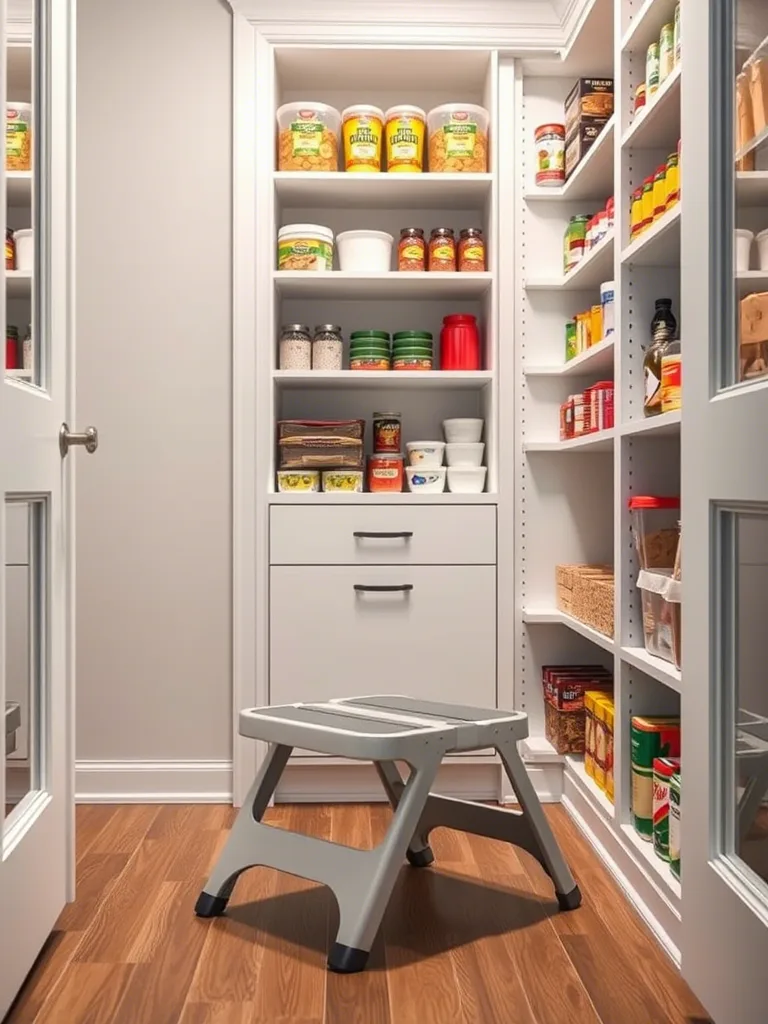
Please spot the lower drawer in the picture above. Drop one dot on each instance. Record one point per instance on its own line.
(435, 640)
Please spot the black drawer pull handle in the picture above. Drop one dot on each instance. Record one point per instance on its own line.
(403, 535)
(398, 588)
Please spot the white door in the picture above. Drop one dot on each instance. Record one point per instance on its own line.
(36, 528)
(724, 798)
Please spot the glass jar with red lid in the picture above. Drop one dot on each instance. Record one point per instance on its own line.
(654, 526)
(460, 342)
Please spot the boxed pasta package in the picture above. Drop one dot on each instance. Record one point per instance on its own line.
(565, 687)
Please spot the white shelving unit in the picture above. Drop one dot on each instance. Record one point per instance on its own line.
(573, 495)
(19, 196)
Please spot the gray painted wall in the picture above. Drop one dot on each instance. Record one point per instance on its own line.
(154, 673)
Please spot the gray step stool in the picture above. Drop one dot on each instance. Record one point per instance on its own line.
(382, 729)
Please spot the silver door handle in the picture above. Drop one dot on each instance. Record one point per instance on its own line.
(89, 439)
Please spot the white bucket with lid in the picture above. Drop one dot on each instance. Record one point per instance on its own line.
(25, 248)
(762, 250)
(743, 240)
(366, 251)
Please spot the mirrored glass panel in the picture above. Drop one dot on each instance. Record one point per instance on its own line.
(750, 225)
(24, 660)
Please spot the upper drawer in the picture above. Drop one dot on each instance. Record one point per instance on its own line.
(423, 535)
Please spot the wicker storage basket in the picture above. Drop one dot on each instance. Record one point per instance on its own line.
(321, 444)
(593, 600)
(565, 582)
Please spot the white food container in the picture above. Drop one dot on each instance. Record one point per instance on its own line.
(423, 480)
(305, 247)
(607, 301)
(309, 137)
(425, 453)
(367, 251)
(463, 431)
(458, 138)
(25, 249)
(466, 479)
(743, 243)
(762, 251)
(465, 454)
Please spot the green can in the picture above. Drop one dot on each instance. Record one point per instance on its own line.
(571, 349)
(651, 738)
(674, 824)
(370, 336)
(663, 770)
(412, 338)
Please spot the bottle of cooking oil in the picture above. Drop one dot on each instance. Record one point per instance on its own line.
(652, 368)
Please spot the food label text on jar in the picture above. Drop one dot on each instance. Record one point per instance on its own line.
(459, 136)
(308, 138)
(304, 255)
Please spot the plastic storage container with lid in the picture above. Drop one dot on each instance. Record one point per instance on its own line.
(362, 126)
(18, 136)
(458, 138)
(25, 248)
(365, 251)
(404, 129)
(655, 530)
(308, 137)
(460, 343)
(305, 247)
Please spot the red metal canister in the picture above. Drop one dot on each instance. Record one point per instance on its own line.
(460, 343)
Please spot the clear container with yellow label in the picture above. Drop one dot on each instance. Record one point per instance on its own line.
(362, 127)
(308, 137)
(18, 136)
(404, 130)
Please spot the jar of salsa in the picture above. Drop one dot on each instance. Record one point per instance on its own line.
(412, 250)
(442, 249)
(10, 250)
(471, 249)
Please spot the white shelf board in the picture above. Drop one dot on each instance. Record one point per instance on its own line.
(546, 617)
(596, 267)
(574, 763)
(657, 125)
(659, 245)
(18, 186)
(752, 281)
(593, 177)
(659, 869)
(399, 191)
(25, 375)
(658, 669)
(752, 188)
(666, 424)
(539, 749)
(345, 284)
(18, 284)
(601, 441)
(598, 360)
(645, 26)
(756, 143)
(411, 379)
(404, 498)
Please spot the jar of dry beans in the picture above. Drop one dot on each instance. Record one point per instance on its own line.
(412, 250)
(295, 347)
(327, 346)
(442, 249)
(471, 250)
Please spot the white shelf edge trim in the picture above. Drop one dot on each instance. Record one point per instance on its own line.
(554, 617)
(670, 220)
(582, 363)
(658, 669)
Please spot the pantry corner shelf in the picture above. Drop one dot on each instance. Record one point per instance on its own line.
(412, 379)
(18, 284)
(752, 188)
(666, 424)
(593, 177)
(660, 872)
(18, 185)
(383, 498)
(658, 669)
(574, 763)
(591, 272)
(347, 284)
(659, 245)
(756, 143)
(399, 191)
(601, 441)
(558, 618)
(657, 126)
(644, 27)
(597, 359)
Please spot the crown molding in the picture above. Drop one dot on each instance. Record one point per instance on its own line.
(18, 21)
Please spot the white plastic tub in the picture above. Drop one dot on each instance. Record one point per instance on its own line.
(308, 137)
(423, 480)
(762, 250)
(458, 138)
(463, 431)
(366, 251)
(427, 454)
(743, 240)
(25, 248)
(465, 454)
(466, 479)
(305, 247)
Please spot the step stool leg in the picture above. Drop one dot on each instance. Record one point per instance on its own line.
(239, 852)
(362, 901)
(552, 860)
(419, 852)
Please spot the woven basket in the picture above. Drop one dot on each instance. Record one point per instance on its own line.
(593, 600)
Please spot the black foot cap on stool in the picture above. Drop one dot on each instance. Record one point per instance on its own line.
(347, 959)
(570, 900)
(210, 906)
(421, 858)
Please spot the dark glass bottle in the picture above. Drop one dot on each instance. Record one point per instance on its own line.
(664, 315)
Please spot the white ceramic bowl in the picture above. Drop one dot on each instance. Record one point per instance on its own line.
(368, 251)
(463, 431)
(426, 454)
(466, 479)
(465, 454)
(422, 480)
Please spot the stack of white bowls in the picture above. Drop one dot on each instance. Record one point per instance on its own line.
(463, 451)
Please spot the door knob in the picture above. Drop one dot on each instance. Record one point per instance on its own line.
(89, 439)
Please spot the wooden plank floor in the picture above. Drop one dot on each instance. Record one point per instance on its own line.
(476, 939)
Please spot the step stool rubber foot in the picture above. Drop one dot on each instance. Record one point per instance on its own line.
(569, 900)
(210, 906)
(420, 858)
(347, 959)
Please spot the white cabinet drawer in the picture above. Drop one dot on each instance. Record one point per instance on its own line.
(413, 535)
(436, 641)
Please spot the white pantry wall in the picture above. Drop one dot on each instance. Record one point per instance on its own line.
(154, 286)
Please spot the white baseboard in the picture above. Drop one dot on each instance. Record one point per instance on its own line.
(153, 782)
